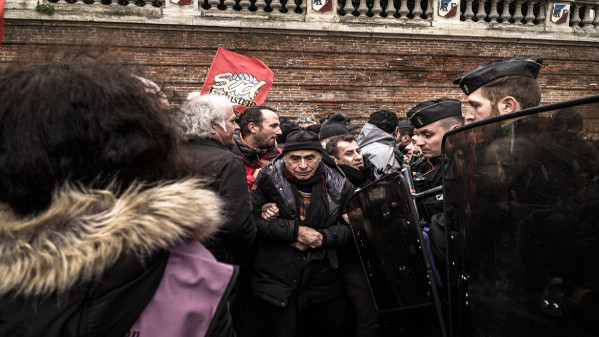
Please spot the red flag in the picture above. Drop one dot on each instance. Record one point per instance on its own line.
(244, 80)
(1, 20)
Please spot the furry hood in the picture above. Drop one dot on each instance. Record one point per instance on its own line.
(84, 232)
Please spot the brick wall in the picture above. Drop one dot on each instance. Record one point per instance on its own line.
(314, 73)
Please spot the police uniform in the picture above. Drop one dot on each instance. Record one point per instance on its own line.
(427, 173)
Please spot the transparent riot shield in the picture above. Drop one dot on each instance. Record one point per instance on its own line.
(522, 191)
(389, 240)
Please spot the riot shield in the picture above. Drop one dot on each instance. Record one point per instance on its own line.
(523, 192)
(388, 236)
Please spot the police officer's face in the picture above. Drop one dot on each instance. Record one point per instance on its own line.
(480, 107)
(349, 154)
(302, 164)
(430, 138)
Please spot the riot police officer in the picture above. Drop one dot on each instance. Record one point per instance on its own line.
(431, 120)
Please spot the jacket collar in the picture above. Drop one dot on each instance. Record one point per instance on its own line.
(84, 232)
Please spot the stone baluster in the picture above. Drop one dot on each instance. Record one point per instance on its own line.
(229, 4)
(596, 19)
(530, 16)
(303, 5)
(493, 14)
(389, 10)
(245, 4)
(429, 10)
(542, 10)
(468, 13)
(276, 6)
(575, 15)
(587, 21)
(260, 4)
(403, 10)
(518, 13)
(362, 9)
(480, 14)
(376, 8)
(417, 12)
(213, 5)
(505, 13)
(348, 8)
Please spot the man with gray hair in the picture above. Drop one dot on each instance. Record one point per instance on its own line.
(207, 124)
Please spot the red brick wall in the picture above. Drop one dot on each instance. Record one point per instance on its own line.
(318, 74)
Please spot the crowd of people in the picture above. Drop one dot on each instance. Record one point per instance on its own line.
(122, 217)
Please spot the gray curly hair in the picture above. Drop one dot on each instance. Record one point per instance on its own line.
(199, 113)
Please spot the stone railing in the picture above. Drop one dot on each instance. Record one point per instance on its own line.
(513, 18)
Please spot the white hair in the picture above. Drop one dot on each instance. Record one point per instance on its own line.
(199, 113)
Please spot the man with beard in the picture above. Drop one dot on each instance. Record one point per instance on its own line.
(255, 143)
(501, 86)
(346, 153)
(296, 271)
(431, 120)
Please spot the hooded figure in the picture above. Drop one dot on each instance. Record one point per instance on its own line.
(99, 228)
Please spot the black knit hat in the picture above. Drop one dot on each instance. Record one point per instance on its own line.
(286, 129)
(473, 79)
(431, 111)
(302, 140)
(334, 126)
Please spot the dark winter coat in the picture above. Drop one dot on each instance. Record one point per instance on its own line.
(282, 271)
(226, 172)
(90, 264)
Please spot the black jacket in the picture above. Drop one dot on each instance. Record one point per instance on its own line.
(428, 174)
(281, 270)
(226, 172)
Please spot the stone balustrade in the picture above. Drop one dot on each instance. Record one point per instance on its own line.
(471, 17)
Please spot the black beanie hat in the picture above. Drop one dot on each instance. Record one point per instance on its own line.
(334, 126)
(287, 128)
(302, 140)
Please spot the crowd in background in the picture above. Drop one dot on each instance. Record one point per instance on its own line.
(108, 192)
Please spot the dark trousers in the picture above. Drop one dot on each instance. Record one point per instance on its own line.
(316, 320)
(360, 297)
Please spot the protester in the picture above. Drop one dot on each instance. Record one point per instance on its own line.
(286, 128)
(377, 140)
(405, 131)
(345, 151)
(335, 125)
(255, 143)
(501, 86)
(207, 125)
(347, 154)
(296, 273)
(99, 230)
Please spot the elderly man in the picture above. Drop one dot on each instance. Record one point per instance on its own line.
(296, 272)
(431, 120)
(255, 143)
(500, 87)
(207, 123)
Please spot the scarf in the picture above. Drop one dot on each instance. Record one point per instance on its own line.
(317, 210)
(359, 177)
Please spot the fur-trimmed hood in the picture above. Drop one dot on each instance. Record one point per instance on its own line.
(84, 232)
